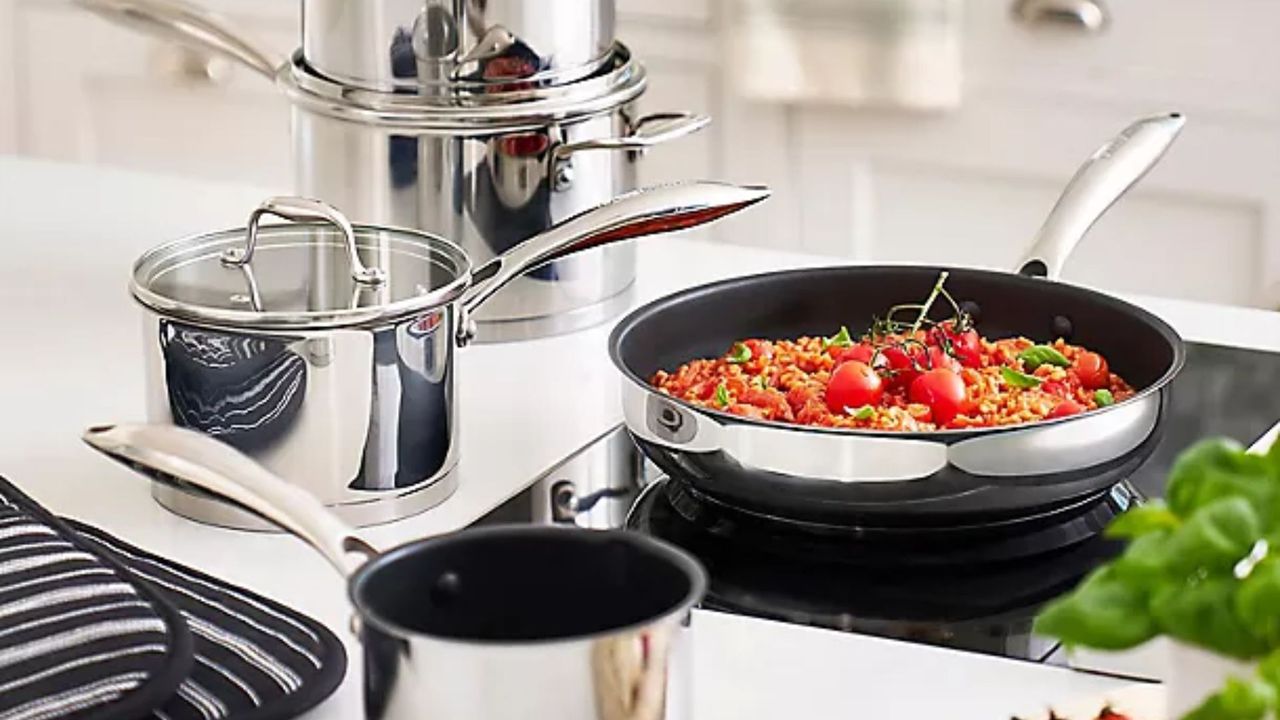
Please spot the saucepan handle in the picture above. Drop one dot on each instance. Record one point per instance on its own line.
(648, 131)
(1103, 178)
(180, 457)
(642, 212)
(186, 24)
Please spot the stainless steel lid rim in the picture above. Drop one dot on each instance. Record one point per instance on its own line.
(207, 249)
(533, 108)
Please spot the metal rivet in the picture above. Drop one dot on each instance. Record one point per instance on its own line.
(1062, 327)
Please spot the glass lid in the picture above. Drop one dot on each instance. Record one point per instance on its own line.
(320, 272)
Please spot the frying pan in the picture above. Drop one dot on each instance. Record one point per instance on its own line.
(882, 479)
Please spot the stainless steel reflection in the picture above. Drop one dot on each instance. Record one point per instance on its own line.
(324, 349)
(486, 167)
(635, 662)
(419, 46)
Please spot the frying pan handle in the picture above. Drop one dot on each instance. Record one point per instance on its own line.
(1103, 178)
(180, 457)
(186, 24)
(635, 214)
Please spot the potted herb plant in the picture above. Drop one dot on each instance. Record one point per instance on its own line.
(1203, 569)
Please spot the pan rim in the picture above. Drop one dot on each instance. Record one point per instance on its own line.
(687, 563)
(630, 320)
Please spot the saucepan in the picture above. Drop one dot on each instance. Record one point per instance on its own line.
(503, 622)
(909, 482)
(324, 349)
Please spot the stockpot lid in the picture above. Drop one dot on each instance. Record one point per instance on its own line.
(322, 272)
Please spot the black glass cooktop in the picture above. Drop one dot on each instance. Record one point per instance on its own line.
(974, 588)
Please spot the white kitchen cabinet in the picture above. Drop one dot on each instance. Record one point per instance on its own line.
(115, 97)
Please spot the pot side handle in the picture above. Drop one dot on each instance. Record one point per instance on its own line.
(186, 24)
(635, 214)
(1104, 177)
(648, 131)
(183, 458)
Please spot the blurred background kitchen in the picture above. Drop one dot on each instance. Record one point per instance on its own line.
(891, 130)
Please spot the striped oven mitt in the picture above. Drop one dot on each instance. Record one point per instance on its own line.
(234, 654)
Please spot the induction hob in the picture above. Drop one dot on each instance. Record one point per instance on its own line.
(965, 590)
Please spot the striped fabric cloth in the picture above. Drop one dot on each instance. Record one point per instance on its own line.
(91, 627)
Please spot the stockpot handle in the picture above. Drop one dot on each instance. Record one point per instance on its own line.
(302, 209)
(180, 457)
(1104, 177)
(648, 131)
(186, 24)
(648, 211)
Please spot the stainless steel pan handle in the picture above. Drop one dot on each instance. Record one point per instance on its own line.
(1103, 178)
(186, 24)
(177, 456)
(648, 131)
(635, 214)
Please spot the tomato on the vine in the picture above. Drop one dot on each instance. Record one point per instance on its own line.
(942, 390)
(965, 346)
(853, 384)
(861, 352)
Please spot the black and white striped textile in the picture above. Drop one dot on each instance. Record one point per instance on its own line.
(91, 627)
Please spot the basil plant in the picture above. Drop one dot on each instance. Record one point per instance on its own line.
(1203, 567)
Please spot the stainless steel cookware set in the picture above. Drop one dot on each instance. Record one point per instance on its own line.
(485, 121)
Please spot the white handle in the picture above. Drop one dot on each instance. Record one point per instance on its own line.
(1104, 177)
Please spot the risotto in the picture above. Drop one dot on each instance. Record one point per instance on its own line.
(918, 377)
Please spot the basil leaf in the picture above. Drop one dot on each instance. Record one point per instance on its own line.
(1143, 519)
(1257, 602)
(863, 413)
(1273, 457)
(1107, 611)
(840, 339)
(1146, 562)
(1216, 468)
(1104, 398)
(1239, 699)
(1019, 379)
(1216, 536)
(1269, 669)
(740, 353)
(1037, 355)
(1202, 612)
(722, 395)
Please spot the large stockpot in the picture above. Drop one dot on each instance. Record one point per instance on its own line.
(498, 623)
(485, 167)
(324, 349)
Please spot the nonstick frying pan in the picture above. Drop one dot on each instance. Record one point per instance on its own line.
(894, 479)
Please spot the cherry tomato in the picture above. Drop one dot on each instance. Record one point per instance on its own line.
(1053, 387)
(965, 346)
(938, 358)
(861, 352)
(942, 390)
(1065, 409)
(902, 365)
(1092, 370)
(852, 385)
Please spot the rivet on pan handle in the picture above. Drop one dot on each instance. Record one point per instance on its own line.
(302, 209)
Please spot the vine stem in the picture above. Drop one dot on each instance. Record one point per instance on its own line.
(933, 295)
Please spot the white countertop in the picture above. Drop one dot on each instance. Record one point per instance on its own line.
(71, 358)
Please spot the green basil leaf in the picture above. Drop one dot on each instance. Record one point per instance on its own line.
(863, 413)
(840, 339)
(1107, 611)
(1018, 379)
(739, 353)
(1143, 519)
(1202, 613)
(1257, 602)
(1147, 562)
(1269, 669)
(1216, 468)
(1273, 458)
(1037, 355)
(1104, 398)
(1239, 699)
(1216, 536)
(722, 395)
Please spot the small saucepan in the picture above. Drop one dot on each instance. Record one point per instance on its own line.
(324, 349)
(503, 622)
